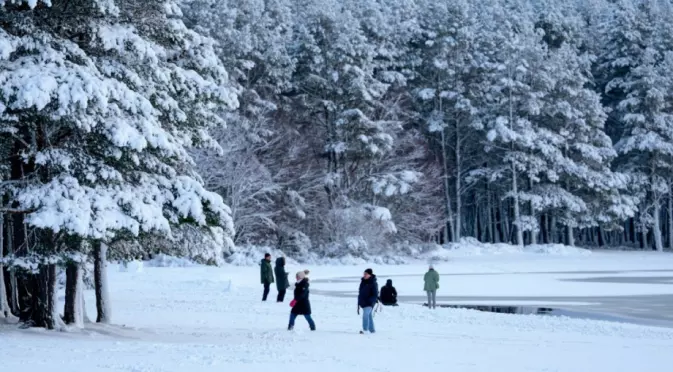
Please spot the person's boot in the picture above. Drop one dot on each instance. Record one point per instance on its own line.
(289, 328)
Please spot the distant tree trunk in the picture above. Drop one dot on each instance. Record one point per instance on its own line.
(670, 216)
(517, 212)
(570, 234)
(553, 230)
(489, 217)
(601, 237)
(447, 192)
(5, 311)
(458, 170)
(656, 229)
(533, 231)
(499, 228)
(13, 284)
(631, 228)
(643, 234)
(73, 312)
(507, 230)
(101, 285)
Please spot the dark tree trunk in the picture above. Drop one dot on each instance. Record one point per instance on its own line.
(543, 229)
(72, 300)
(100, 277)
(13, 289)
(4, 303)
(43, 312)
(601, 237)
(26, 284)
(5, 311)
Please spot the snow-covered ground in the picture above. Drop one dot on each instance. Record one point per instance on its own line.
(197, 318)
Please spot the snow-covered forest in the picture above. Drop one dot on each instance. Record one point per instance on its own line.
(366, 123)
(332, 127)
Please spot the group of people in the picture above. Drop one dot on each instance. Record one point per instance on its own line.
(300, 303)
(368, 294)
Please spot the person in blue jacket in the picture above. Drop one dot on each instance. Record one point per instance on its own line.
(367, 299)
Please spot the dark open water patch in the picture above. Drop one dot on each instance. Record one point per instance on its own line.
(525, 310)
(542, 311)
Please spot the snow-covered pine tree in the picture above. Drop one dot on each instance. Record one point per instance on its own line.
(518, 83)
(632, 70)
(577, 183)
(252, 40)
(338, 95)
(106, 98)
(449, 92)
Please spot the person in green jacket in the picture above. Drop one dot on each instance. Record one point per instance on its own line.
(431, 279)
(266, 273)
(282, 282)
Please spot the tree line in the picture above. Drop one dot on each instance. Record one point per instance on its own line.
(367, 126)
(323, 127)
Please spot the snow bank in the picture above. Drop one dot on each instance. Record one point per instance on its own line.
(250, 255)
(472, 247)
(407, 253)
(134, 266)
(163, 260)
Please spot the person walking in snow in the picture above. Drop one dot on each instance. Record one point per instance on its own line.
(389, 294)
(431, 280)
(266, 274)
(301, 304)
(367, 298)
(282, 281)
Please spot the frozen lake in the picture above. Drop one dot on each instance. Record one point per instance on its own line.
(640, 293)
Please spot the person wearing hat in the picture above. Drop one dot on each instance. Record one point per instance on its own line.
(431, 280)
(367, 299)
(301, 304)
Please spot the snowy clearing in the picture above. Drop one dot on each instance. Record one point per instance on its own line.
(197, 318)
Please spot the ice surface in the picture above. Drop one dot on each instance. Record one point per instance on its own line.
(211, 319)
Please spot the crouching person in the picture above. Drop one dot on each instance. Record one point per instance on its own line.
(301, 304)
(389, 294)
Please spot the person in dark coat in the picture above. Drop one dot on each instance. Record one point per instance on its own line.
(282, 282)
(368, 296)
(301, 304)
(389, 294)
(266, 274)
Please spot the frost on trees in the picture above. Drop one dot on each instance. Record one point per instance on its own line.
(253, 40)
(449, 94)
(510, 131)
(351, 124)
(576, 182)
(634, 68)
(104, 126)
